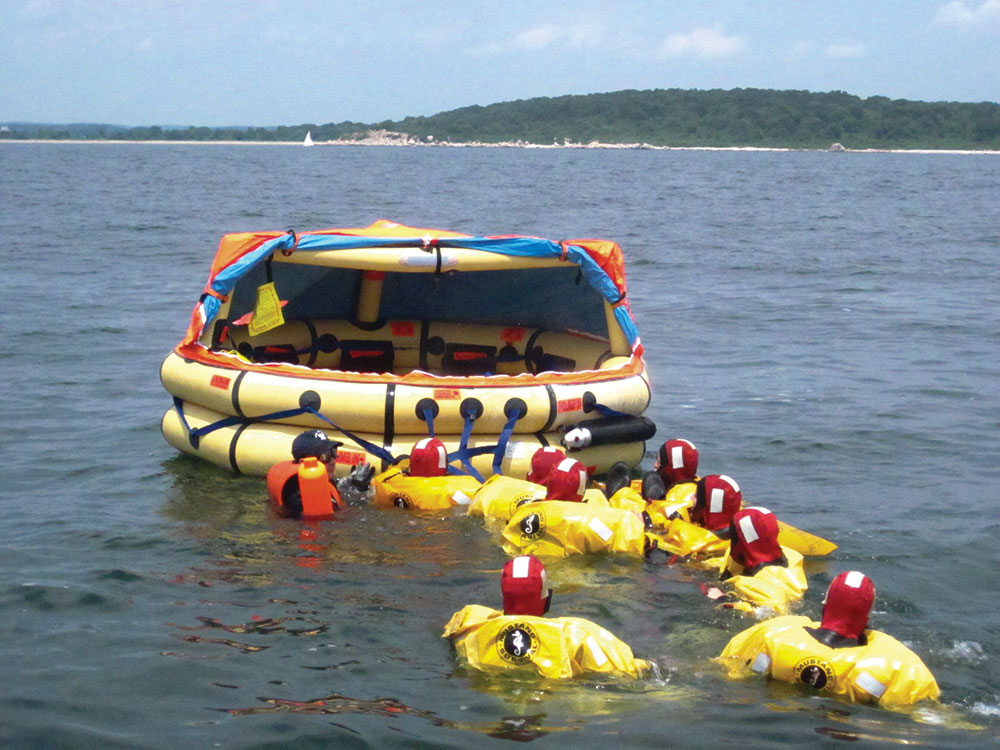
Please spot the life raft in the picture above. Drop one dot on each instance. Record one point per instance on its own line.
(386, 334)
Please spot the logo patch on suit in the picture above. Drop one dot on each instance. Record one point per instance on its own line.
(532, 525)
(401, 501)
(816, 673)
(517, 643)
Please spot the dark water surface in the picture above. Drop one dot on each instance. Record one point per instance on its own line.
(825, 327)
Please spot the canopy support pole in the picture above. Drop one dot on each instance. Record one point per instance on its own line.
(616, 336)
(370, 296)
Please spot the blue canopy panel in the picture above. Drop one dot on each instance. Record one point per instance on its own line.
(550, 298)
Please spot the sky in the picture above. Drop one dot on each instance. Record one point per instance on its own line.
(272, 62)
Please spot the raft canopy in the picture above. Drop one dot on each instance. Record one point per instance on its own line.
(387, 272)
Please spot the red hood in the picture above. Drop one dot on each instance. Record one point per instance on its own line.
(717, 498)
(848, 603)
(755, 537)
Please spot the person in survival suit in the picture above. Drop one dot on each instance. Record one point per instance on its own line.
(423, 482)
(521, 637)
(763, 577)
(565, 523)
(703, 529)
(499, 496)
(839, 655)
(663, 492)
(677, 465)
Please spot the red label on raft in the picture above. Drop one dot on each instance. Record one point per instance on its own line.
(446, 393)
(402, 328)
(350, 458)
(459, 356)
(569, 404)
(219, 381)
(512, 334)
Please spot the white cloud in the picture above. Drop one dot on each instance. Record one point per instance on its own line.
(957, 13)
(538, 37)
(842, 51)
(576, 36)
(702, 42)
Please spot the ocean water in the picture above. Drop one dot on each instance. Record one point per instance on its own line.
(825, 328)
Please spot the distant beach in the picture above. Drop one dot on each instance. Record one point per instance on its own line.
(393, 143)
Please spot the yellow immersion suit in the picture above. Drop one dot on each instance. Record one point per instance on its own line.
(395, 488)
(556, 528)
(556, 647)
(883, 671)
(771, 589)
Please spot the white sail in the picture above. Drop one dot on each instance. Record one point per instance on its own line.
(309, 140)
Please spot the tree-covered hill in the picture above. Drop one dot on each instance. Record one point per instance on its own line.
(660, 117)
(741, 117)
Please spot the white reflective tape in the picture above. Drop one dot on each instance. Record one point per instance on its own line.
(677, 457)
(731, 481)
(583, 483)
(600, 528)
(715, 504)
(761, 664)
(854, 579)
(519, 449)
(421, 444)
(749, 532)
(460, 498)
(566, 464)
(427, 259)
(442, 457)
(870, 685)
(520, 567)
(600, 658)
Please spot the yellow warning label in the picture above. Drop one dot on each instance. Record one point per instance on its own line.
(266, 310)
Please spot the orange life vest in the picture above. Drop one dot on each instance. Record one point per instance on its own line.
(319, 498)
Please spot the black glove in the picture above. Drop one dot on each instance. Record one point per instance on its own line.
(361, 476)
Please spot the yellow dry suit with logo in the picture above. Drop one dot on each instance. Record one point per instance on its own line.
(556, 647)
(882, 671)
(627, 498)
(771, 589)
(395, 488)
(681, 537)
(556, 528)
(499, 496)
(677, 503)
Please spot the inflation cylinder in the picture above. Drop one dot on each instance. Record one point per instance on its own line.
(314, 484)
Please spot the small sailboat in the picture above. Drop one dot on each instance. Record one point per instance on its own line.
(309, 140)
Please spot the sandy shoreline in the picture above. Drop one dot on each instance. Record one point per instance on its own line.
(374, 142)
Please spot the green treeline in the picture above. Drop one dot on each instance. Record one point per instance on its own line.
(741, 117)
(671, 117)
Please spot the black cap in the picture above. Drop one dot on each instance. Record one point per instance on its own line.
(314, 443)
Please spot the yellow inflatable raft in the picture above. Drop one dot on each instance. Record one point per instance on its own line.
(383, 335)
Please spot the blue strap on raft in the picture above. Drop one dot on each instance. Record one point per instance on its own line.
(505, 433)
(464, 454)
(195, 434)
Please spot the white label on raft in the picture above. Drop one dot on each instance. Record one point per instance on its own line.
(427, 259)
(519, 449)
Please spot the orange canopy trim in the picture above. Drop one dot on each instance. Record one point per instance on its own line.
(600, 261)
